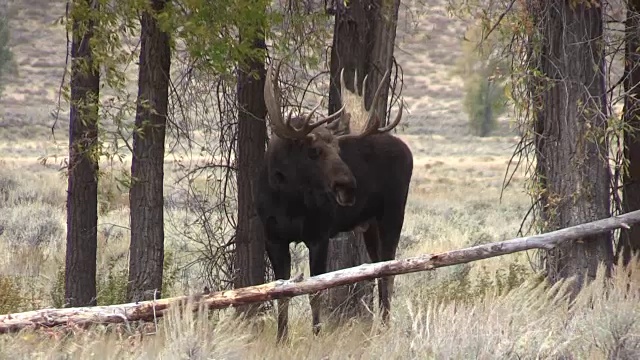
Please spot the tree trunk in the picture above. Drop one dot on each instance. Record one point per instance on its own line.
(488, 109)
(348, 301)
(82, 193)
(629, 243)
(252, 136)
(571, 155)
(350, 50)
(364, 35)
(384, 39)
(147, 171)
(363, 40)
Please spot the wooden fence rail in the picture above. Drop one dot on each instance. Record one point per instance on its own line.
(149, 310)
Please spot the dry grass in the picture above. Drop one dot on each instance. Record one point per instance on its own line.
(531, 321)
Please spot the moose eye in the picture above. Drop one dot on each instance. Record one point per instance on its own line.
(314, 152)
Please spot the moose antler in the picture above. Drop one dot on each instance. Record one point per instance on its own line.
(369, 117)
(283, 128)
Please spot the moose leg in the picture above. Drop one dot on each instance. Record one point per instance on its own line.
(372, 241)
(318, 265)
(281, 262)
(390, 228)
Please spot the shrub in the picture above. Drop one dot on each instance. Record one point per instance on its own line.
(482, 69)
(6, 56)
(113, 190)
(11, 299)
(170, 271)
(484, 102)
(57, 290)
(112, 280)
(8, 185)
(31, 225)
(23, 188)
(112, 284)
(461, 286)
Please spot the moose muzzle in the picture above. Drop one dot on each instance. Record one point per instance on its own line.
(344, 191)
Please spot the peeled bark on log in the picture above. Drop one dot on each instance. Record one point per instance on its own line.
(149, 310)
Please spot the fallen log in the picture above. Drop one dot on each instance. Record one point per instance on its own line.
(150, 310)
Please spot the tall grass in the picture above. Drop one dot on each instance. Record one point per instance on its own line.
(531, 321)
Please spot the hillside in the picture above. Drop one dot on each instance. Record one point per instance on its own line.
(427, 46)
(39, 49)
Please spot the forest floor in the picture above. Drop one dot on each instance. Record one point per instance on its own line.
(495, 308)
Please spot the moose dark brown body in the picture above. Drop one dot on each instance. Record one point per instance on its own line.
(315, 184)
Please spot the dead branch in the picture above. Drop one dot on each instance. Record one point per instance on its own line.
(148, 310)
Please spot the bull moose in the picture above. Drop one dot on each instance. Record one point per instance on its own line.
(315, 184)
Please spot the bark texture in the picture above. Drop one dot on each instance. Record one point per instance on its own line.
(384, 39)
(629, 243)
(571, 155)
(252, 136)
(363, 40)
(350, 50)
(149, 310)
(82, 192)
(147, 168)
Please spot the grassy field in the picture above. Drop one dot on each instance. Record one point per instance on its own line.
(495, 308)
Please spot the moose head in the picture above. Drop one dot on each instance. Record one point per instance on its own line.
(304, 156)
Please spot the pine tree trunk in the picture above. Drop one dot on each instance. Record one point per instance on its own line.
(82, 194)
(147, 167)
(629, 243)
(252, 136)
(571, 154)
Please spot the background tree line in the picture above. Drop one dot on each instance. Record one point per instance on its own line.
(6, 57)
